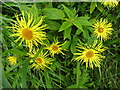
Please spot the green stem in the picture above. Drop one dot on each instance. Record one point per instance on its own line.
(47, 79)
(78, 74)
(100, 73)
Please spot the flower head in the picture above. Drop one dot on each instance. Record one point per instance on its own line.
(90, 54)
(110, 3)
(29, 30)
(103, 29)
(12, 60)
(55, 48)
(41, 61)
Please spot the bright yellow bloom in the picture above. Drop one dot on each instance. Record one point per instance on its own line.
(12, 60)
(90, 54)
(29, 30)
(41, 61)
(55, 48)
(110, 3)
(103, 29)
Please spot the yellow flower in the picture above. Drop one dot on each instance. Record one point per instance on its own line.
(103, 29)
(90, 54)
(110, 3)
(41, 61)
(12, 60)
(55, 48)
(29, 30)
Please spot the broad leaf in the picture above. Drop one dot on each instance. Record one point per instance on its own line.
(92, 7)
(78, 32)
(67, 33)
(72, 86)
(100, 7)
(78, 25)
(83, 79)
(85, 34)
(34, 11)
(73, 44)
(4, 81)
(24, 8)
(68, 12)
(47, 79)
(66, 45)
(53, 13)
(65, 25)
(52, 25)
(83, 21)
(24, 73)
(15, 51)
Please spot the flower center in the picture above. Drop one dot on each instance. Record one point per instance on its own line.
(27, 34)
(38, 60)
(54, 47)
(89, 54)
(100, 30)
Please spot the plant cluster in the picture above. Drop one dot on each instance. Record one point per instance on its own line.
(60, 44)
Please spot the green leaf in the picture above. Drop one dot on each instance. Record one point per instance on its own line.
(50, 35)
(58, 76)
(24, 8)
(78, 74)
(78, 32)
(72, 86)
(100, 7)
(113, 41)
(15, 51)
(24, 73)
(13, 67)
(46, 41)
(5, 81)
(53, 13)
(118, 16)
(12, 3)
(52, 25)
(83, 21)
(67, 33)
(47, 79)
(114, 18)
(34, 11)
(90, 29)
(50, 5)
(56, 84)
(1, 68)
(73, 44)
(78, 25)
(83, 79)
(74, 12)
(66, 45)
(65, 25)
(92, 7)
(85, 34)
(68, 12)
(1, 36)
(8, 6)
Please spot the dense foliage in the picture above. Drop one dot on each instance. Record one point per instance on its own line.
(68, 24)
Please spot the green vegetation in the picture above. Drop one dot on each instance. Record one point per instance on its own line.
(70, 23)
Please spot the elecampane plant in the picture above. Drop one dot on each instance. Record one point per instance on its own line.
(60, 44)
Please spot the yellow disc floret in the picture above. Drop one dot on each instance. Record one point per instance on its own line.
(90, 54)
(103, 29)
(41, 62)
(29, 30)
(55, 48)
